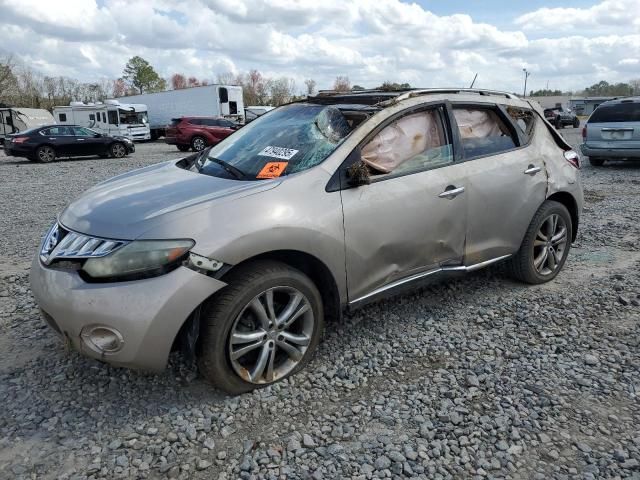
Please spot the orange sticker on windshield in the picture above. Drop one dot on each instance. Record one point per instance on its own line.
(272, 170)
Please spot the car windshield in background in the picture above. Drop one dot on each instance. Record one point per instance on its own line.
(287, 140)
(619, 112)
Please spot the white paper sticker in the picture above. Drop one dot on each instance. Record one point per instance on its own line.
(278, 152)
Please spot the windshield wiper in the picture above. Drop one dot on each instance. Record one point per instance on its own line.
(236, 172)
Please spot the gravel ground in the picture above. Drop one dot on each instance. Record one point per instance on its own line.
(480, 377)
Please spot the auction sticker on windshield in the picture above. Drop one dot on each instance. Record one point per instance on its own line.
(278, 152)
(272, 170)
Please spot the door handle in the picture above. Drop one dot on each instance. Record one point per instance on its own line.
(80, 139)
(451, 192)
(532, 170)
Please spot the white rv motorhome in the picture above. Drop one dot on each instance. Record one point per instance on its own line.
(14, 120)
(110, 118)
(207, 101)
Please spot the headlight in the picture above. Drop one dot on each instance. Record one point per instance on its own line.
(140, 258)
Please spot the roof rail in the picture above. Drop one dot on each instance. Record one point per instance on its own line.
(432, 91)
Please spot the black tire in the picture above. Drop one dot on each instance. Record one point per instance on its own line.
(198, 143)
(118, 150)
(45, 154)
(596, 162)
(223, 311)
(183, 148)
(521, 265)
(576, 122)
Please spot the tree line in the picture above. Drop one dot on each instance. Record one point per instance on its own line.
(600, 89)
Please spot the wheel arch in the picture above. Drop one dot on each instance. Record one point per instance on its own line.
(187, 337)
(566, 199)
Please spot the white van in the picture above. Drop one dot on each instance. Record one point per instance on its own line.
(110, 118)
(14, 120)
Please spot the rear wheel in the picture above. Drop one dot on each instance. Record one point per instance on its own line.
(576, 122)
(545, 246)
(118, 150)
(45, 154)
(263, 327)
(183, 148)
(198, 144)
(596, 162)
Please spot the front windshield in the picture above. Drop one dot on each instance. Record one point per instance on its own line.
(284, 141)
(132, 118)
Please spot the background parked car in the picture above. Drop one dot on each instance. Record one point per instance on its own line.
(198, 133)
(613, 131)
(560, 117)
(44, 144)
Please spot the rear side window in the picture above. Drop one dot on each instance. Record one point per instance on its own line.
(524, 120)
(223, 94)
(194, 121)
(619, 112)
(482, 132)
(175, 121)
(104, 118)
(62, 117)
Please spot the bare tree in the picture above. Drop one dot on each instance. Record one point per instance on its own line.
(193, 82)
(119, 88)
(228, 78)
(282, 90)
(178, 81)
(310, 83)
(635, 85)
(342, 84)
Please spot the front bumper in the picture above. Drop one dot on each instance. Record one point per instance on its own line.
(610, 152)
(147, 314)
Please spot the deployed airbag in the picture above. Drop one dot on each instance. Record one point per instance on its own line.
(477, 123)
(402, 140)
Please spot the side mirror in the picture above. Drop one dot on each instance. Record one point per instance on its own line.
(357, 172)
(97, 135)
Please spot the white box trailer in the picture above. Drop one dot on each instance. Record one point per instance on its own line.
(109, 118)
(14, 120)
(208, 101)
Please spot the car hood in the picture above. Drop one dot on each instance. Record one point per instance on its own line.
(126, 206)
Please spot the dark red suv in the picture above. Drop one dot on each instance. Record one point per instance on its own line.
(198, 132)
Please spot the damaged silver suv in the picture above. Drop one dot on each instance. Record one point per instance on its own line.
(239, 254)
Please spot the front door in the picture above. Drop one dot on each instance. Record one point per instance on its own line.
(86, 142)
(411, 219)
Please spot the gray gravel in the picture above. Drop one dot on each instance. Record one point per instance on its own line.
(480, 377)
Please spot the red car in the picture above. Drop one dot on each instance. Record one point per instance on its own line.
(198, 133)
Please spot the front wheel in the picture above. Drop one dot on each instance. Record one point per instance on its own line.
(545, 246)
(198, 144)
(118, 150)
(261, 328)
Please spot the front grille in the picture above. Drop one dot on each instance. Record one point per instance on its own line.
(63, 244)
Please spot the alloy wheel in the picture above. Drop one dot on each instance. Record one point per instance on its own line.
(550, 244)
(198, 144)
(271, 334)
(118, 150)
(46, 154)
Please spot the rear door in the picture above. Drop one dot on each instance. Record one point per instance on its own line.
(61, 138)
(507, 179)
(615, 126)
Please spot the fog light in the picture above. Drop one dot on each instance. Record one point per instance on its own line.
(102, 339)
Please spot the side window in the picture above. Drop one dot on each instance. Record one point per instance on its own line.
(233, 108)
(482, 132)
(524, 120)
(82, 132)
(223, 95)
(412, 143)
(92, 117)
(195, 121)
(62, 117)
(104, 118)
(113, 117)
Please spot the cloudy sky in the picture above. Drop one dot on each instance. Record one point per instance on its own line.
(570, 43)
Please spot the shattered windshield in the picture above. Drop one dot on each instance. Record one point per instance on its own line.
(284, 141)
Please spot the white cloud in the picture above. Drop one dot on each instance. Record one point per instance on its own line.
(368, 41)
